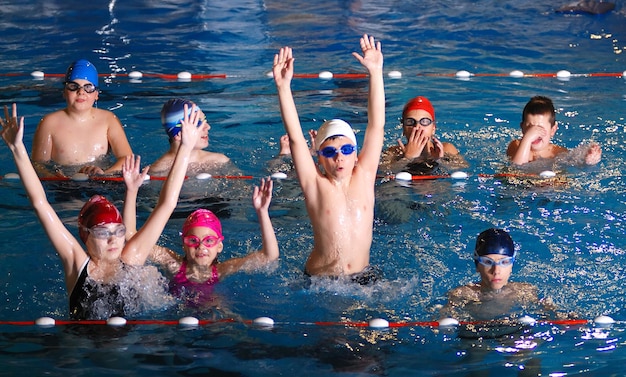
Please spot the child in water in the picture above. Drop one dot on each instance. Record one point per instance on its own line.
(339, 197)
(493, 296)
(201, 159)
(538, 127)
(80, 135)
(105, 278)
(422, 150)
(194, 273)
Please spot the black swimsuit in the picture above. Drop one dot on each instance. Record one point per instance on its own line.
(91, 300)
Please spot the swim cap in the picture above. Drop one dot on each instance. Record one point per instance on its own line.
(173, 113)
(97, 211)
(334, 127)
(419, 103)
(204, 218)
(494, 241)
(82, 69)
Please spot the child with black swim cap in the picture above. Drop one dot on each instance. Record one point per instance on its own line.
(494, 296)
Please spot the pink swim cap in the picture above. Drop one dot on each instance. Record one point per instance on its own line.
(97, 211)
(205, 218)
(419, 103)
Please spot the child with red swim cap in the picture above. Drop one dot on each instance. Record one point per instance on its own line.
(422, 146)
(101, 277)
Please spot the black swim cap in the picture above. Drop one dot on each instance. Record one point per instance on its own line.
(494, 241)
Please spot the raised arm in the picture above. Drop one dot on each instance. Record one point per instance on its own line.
(372, 59)
(140, 245)
(133, 179)
(283, 73)
(67, 246)
(269, 252)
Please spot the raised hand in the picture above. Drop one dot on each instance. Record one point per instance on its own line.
(133, 177)
(372, 53)
(12, 132)
(283, 67)
(262, 195)
(190, 132)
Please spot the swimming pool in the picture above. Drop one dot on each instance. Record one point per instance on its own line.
(570, 235)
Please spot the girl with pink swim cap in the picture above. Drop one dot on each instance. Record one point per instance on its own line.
(194, 273)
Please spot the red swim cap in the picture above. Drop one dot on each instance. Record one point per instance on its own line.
(97, 211)
(419, 103)
(204, 218)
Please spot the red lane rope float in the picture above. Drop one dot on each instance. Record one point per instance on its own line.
(121, 179)
(328, 75)
(561, 322)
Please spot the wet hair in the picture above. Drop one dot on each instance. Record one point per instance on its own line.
(538, 105)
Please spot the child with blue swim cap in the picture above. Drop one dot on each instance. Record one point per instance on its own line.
(202, 161)
(81, 136)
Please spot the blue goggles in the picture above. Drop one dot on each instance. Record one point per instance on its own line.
(488, 262)
(330, 152)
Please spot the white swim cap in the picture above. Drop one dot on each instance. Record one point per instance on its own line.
(334, 127)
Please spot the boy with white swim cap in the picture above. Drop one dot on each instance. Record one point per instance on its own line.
(171, 116)
(81, 135)
(538, 127)
(339, 196)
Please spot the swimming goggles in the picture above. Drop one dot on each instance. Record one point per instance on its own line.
(73, 86)
(488, 262)
(411, 122)
(330, 152)
(200, 121)
(103, 233)
(208, 241)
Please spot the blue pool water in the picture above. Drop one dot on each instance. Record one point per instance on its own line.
(570, 235)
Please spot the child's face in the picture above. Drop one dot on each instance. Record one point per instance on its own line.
(496, 276)
(539, 129)
(340, 165)
(203, 142)
(201, 254)
(106, 242)
(429, 130)
(80, 97)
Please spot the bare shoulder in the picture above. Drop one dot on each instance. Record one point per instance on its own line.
(162, 165)
(512, 147)
(214, 157)
(450, 149)
(52, 120)
(557, 149)
(465, 291)
(106, 116)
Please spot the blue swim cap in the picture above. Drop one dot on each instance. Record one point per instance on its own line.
(82, 69)
(173, 113)
(494, 241)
